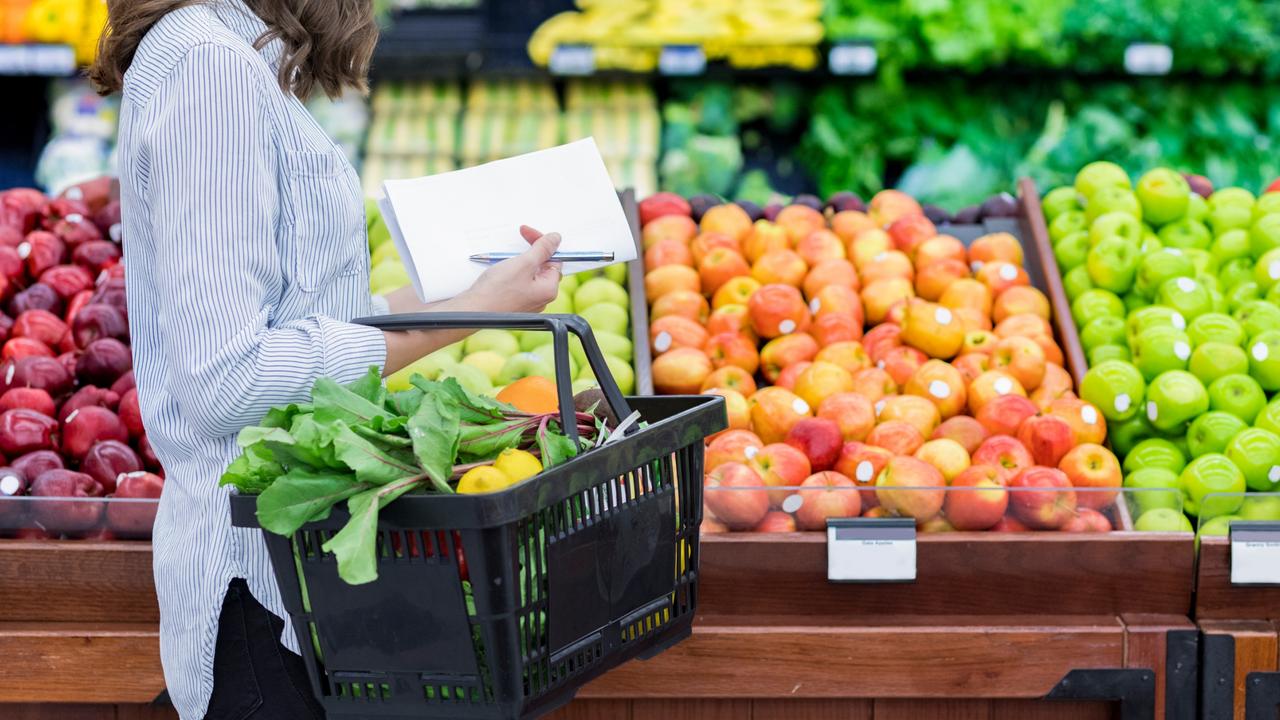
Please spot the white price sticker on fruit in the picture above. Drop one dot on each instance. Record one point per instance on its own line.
(875, 550)
(682, 60)
(575, 60)
(1148, 59)
(852, 59)
(1255, 553)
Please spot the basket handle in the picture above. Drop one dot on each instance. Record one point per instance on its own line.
(558, 325)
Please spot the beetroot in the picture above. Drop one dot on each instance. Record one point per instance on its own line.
(83, 428)
(123, 384)
(41, 251)
(37, 372)
(88, 396)
(96, 255)
(98, 320)
(129, 412)
(12, 512)
(70, 516)
(41, 325)
(21, 347)
(37, 297)
(23, 430)
(148, 455)
(103, 360)
(34, 463)
(29, 398)
(67, 280)
(108, 460)
(134, 519)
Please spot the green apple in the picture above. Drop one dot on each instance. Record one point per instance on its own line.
(1152, 316)
(1264, 234)
(1163, 520)
(1260, 507)
(502, 342)
(1242, 294)
(1231, 197)
(1106, 330)
(1116, 388)
(1219, 526)
(1226, 218)
(570, 283)
(1235, 271)
(1211, 475)
(1257, 316)
(526, 364)
(1058, 201)
(576, 352)
(1173, 399)
(1189, 297)
(389, 275)
(486, 361)
(597, 291)
(1096, 303)
(621, 371)
(1164, 195)
(1110, 351)
(607, 317)
(1071, 221)
(1202, 261)
(1230, 245)
(548, 354)
(385, 253)
(1186, 233)
(1217, 328)
(1100, 174)
(1076, 282)
(454, 351)
(1134, 300)
(530, 339)
(582, 385)
(1267, 272)
(615, 345)
(562, 305)
(1239, 395)
(1072, 250)
(1257, 453)
(1264, 359)
(472, 378)
(1112, 264)
(1115, 224)
(1180, 441)
(1197, 207)
(429, 367)
(1273, 295)
(617, 273)
(1126, 435)
(1151, 488)
(1213, 431)
(1155, 453)
(1268, 418)
(1150, 243)
(1160, 349)
(1214, 360)
(1266, 204)
(1112, 199)
(1157, 267)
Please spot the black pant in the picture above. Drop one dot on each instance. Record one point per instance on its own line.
(254, 676)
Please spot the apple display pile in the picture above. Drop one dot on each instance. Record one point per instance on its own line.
(957, 384)
(1174, 289)
(70, 428)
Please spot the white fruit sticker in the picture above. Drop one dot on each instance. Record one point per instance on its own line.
(792, 503)
(815, 305)
(787, 326)
(75, 218)
(24, 250)
(1123, 402)
(1186, 284)
(1182, 350)
(879, 407)
(1260, 352)
(1178, 321)
(939, 389)
(750, 452)
(1008, 272)
(1274, 474)
(800, 406)
(662, 343)
(8, 374)
(1174, 251)
(1274, 270)
(976, 265)
(943, 316)
(862, 473)
(1003, 385)
(75, 193)
(9, 485)
(1089, 415)
(73, 415)
(1153, 412)
(134, 474)
(114, 232)
(880, 256)
(880, 364)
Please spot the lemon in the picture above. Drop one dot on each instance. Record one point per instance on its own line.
(518, 464)
(485, 479)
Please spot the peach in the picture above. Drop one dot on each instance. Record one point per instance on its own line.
(1086, 422)
(780, 266)
(896, 436)
(847, 354)
(730, 377)
(837, 300)
(932, 280)
(910, 231)
(719, 267)
(732, 349)
(948, 456)
(1087, 520)
(1094, 470)
(932, 329)
(862, 463)
(846, 224)
(887, 206)
(911, 488)
(973, 320)
(734, 495)
(800, 221)
(878, 297)
(778, 310)
(680, 228)
(888, 264)
(731, 446)
(902, 362)
(1021, 358)
(731, 319)
(964, 430)
(821, 380)
(764, 237)
(819, 439)
(787, 378)
(681, 371)
(971, 366)
(1042, 498)
(782, 352)
(978, 341)
(939, 248)
(670, 278)
(684, 303)
(874, 383)
(820, 246)
(999, 276)
(1004, 453)
(735, 408)
(1020, 300)
(833, 328)
(868, 245)
(880, 339)
(940, 384)
(774, 411)
(912, 409)
(780, 465)
(827, 495)
(706, 242)
(776, 522)
(981, 507)
(729, 219)
(990, 385)
(673, 331)
(735, 291)
(667, 252)
(1025, 325)
(1048, 437)
(851, 412)
(967, 293)
(1004, 415)
(996, 247)
(836, 271)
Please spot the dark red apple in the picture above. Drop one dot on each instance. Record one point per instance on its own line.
(98, 320)
(130, 413)
(41, 325)
(38, 372)
(33, 464)
(134, 517)
(67, 516)
(112, 293)
(103, 361)
(12, 512)
(67, 280)
(63, 207)
(37, 297)
(109, 459)
(23, 430)
(21, 347)
(108, 220)
(148, 455)
(83, 428)
(41, 251)
(80, 301)
(29, 398)
(88, 396)
(1042, 497)
(21, 208)
(10, 236)
(68, 361)
(96, 255)
(11, 265)
(6, 325)
(123, 384)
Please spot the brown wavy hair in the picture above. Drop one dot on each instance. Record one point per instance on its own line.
(327, 43)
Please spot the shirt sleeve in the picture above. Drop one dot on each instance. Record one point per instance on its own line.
(213, 192)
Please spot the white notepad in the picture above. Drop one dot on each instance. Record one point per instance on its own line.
(439, 221)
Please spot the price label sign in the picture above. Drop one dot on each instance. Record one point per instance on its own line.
(574, 60)
(37, 60)
(1255, 553)
(852, 59)
(682, 60)
(1148, 59)
(871, 550)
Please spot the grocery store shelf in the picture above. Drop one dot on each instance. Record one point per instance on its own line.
(78, 662)
(37, 59)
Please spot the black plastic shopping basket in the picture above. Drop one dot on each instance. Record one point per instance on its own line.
(567, 575)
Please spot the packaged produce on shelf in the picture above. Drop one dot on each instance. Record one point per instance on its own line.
(1173, 289)
(865, 343)
(78, 23)
(83, 126)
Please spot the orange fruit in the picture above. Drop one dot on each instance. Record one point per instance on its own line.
(535, 395)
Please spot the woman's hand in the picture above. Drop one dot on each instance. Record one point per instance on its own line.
(525, 283)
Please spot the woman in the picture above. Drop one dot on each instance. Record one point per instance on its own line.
(246, 257)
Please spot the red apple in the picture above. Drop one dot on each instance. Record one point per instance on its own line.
(862, 463)
(1005, 414)
(776, 522)
(134, 519)
(1087, 520)
(1096, 472)
(731, 446)
(1048, 437)
(780, 465)
(819, 439)
(981, 507)
(911, 487)
(1042, 497)
(1009, 523)
(733, 494)
(1005, 453)
(964, 430)
(827, 495)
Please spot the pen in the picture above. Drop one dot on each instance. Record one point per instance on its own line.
(566, 257)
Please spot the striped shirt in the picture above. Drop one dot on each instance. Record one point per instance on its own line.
(245, 255)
